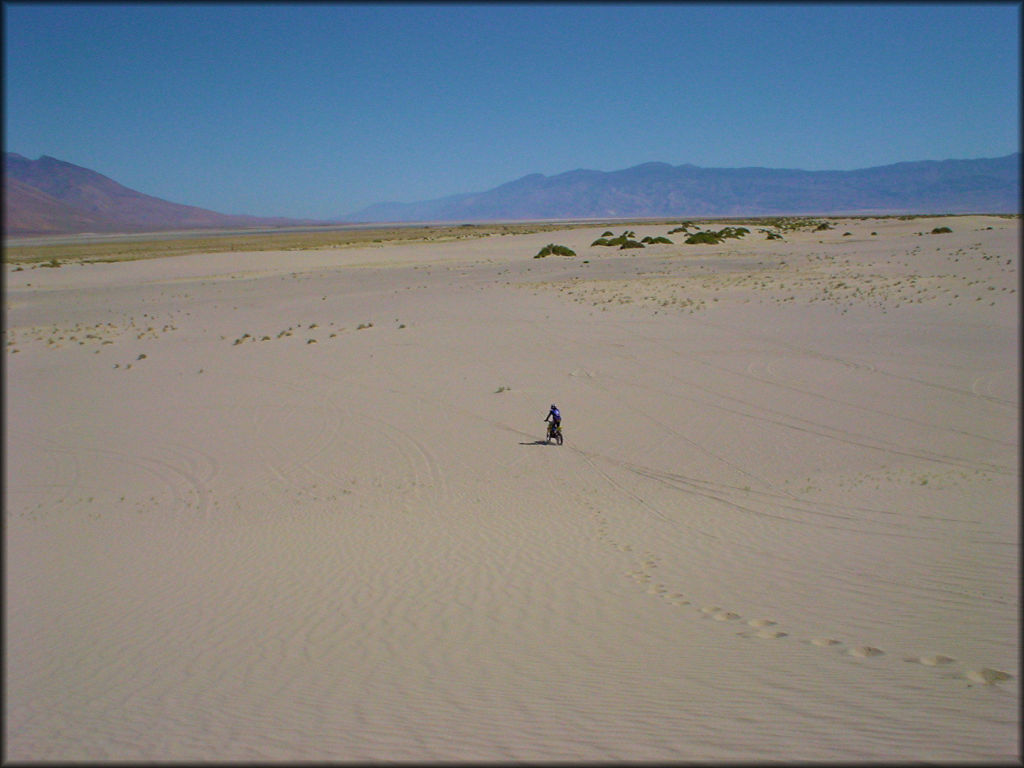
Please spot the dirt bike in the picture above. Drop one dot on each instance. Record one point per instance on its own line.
(554, 432)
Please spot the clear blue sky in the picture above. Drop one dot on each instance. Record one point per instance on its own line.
(318, 110)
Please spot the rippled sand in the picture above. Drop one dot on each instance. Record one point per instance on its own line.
(297, 505)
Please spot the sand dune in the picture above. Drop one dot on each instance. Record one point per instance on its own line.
(297, 505)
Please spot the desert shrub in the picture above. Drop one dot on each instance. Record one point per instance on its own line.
(608, 233)
(683, 227)
(631, 244)
(736, 232)
(611, 241)
(823, 226)
(660, 240)
(558, 250)
(773, 236)
(941, 230)
(707, 238)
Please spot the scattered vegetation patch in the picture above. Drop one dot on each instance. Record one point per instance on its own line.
(795, 223)
(143, 246)
(628, 240)
(941, 231)
(625, 240)
(708, 237)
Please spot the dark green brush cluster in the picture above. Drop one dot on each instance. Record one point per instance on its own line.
(557, 250)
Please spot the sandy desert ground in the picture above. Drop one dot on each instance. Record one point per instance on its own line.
(297, 506)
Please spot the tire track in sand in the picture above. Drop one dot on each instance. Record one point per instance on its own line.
(760, 628)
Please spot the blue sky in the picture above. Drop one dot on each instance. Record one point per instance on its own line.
(318, 110)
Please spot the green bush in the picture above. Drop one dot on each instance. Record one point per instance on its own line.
(558, 250)
(736, 232)
(941, 230)
(610, 241)
(631, 244)
(706, 238)
(709, 237)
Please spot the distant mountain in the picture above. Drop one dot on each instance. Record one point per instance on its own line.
(661, 190)
(50, 196)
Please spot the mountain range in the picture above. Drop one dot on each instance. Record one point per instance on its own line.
(49, 196)
(658, 190)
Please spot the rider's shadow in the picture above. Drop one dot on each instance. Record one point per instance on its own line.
(537, 442)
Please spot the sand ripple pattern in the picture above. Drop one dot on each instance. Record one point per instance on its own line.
(296, 506)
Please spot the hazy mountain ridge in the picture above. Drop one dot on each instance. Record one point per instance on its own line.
(988, 185)
(50, 196)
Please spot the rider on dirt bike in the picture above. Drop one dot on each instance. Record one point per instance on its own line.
(555, 417)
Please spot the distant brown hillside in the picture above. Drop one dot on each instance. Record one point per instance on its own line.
(49, 196)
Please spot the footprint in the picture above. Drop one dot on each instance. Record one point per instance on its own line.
(725, 616)
(824, 641)
(769, 634)
(864, 651)
(761, 623)
(988, 676)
